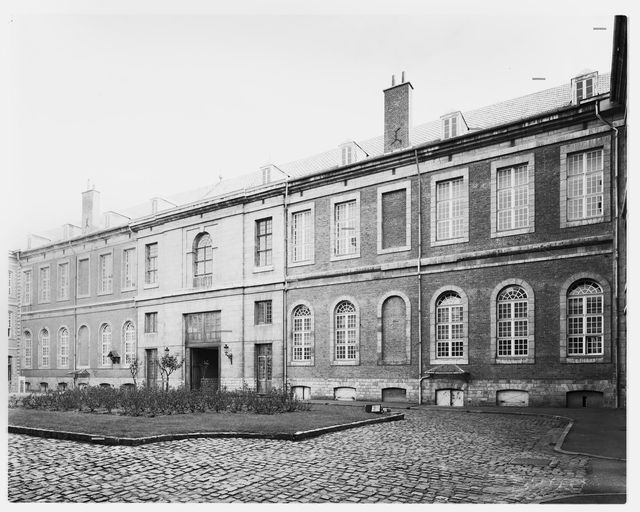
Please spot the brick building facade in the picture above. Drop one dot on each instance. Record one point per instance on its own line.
(477, 259)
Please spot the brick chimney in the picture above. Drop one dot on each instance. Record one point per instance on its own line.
(90, 210)
(397, 115)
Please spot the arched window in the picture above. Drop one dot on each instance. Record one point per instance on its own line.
(129, 343)
(449, 326)
(105, 341)
(44, 348)
(346, 332)
(301, 320)
(513, 323)
(28, 347)
(63, 348)
(585, 300)
(202, 261)
(83, 346)
(394, 336)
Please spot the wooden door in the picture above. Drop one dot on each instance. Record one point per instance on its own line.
(151, 368)
(264, 367)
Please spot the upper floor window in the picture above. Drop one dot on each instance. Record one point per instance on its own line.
(63, 281)
(449, 207)
(63, 348)
(346, 228)
(106, 273)
(513, 324)
(585, 304)
(26, 287)
(263, 313)
(151, 322)
(44, 285)
(27, 349)
(346, 332)
(105, 344)
(394, 218)
(584, 185)
(453, 125)
(584, 87)
(302, 333)
(128, 269)
(44, 348)
(10, 325)
(202, 261)
(513, 197)
(302, 236)
(151, 263)
(449, 326)
(203, 327)
(129, 343)
(10, 282)
(264, 242)
(83, 277)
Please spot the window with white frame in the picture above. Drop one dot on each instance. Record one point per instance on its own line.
(202, 261)
(106, 273)
(513, 197)
(105, 344)
(151, 263)
(10, 282)
(151, 322)
(129, 343)
(450, 127)
(347, 155)
(585, 185)
(449, 326)
(450, 209)
(63, 348)
(301, 327)
(264, 242)
(26, 287)
(513, 323)
(44, 285)
(346, 332)
(27, 343)
(262, 312)
(44, 348)
(346, 229)
(584, 87)
(302, 236)
(10, 326)
(128, 269)
(63, 281)
(585, 303)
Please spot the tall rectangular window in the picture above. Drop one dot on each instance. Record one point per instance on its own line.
(151, 322)
(450, 127)
(262, 313)
(450, 209)
(83, 277)
(263, 242)
(346, 230)
(63, 281)
(128, 269)
(203, 327)
(10, 281)
(10, 326)
(301, 236)
(513, 197)
(393, 219)
(151, 263)
(106, 273)
(44, 285)
(585, 185)
(26, 287)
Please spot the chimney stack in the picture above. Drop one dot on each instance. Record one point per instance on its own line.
(90, 210)
(397, 115)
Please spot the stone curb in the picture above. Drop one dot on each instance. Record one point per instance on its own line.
(567, 496)
(130, 441)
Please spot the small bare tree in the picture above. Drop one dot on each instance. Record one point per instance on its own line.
(168, 364)
(134, 368)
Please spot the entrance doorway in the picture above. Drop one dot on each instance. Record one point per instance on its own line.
(263, 364)
(205, 364)
(151, 367)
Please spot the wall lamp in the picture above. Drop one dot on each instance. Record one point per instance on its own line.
(227, 352)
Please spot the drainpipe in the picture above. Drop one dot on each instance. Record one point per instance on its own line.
(419, 278)
(614, 306)
(284, 287)
(244, 262)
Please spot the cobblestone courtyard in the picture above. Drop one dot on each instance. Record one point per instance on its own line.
(434, 456)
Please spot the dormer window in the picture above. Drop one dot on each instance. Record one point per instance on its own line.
(453, 125)
(584, 87)
(348, 153)
(266, 175)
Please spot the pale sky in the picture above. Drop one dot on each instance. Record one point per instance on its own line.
(149, 99)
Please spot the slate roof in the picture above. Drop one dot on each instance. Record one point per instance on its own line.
(505, 112)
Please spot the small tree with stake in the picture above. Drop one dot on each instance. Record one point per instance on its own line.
(168, 364)
(134, 368)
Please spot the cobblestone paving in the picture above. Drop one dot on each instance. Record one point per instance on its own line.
(431, 457)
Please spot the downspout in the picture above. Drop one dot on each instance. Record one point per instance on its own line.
(419, 278)
(285, 329)
(75, 314)
(614, 305)
(244, 262)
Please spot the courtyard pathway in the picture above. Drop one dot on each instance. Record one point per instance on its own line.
(434, 456)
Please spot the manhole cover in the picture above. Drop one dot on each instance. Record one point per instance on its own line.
(530, 461)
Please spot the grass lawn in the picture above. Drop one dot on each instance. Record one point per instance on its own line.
(128, 426)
